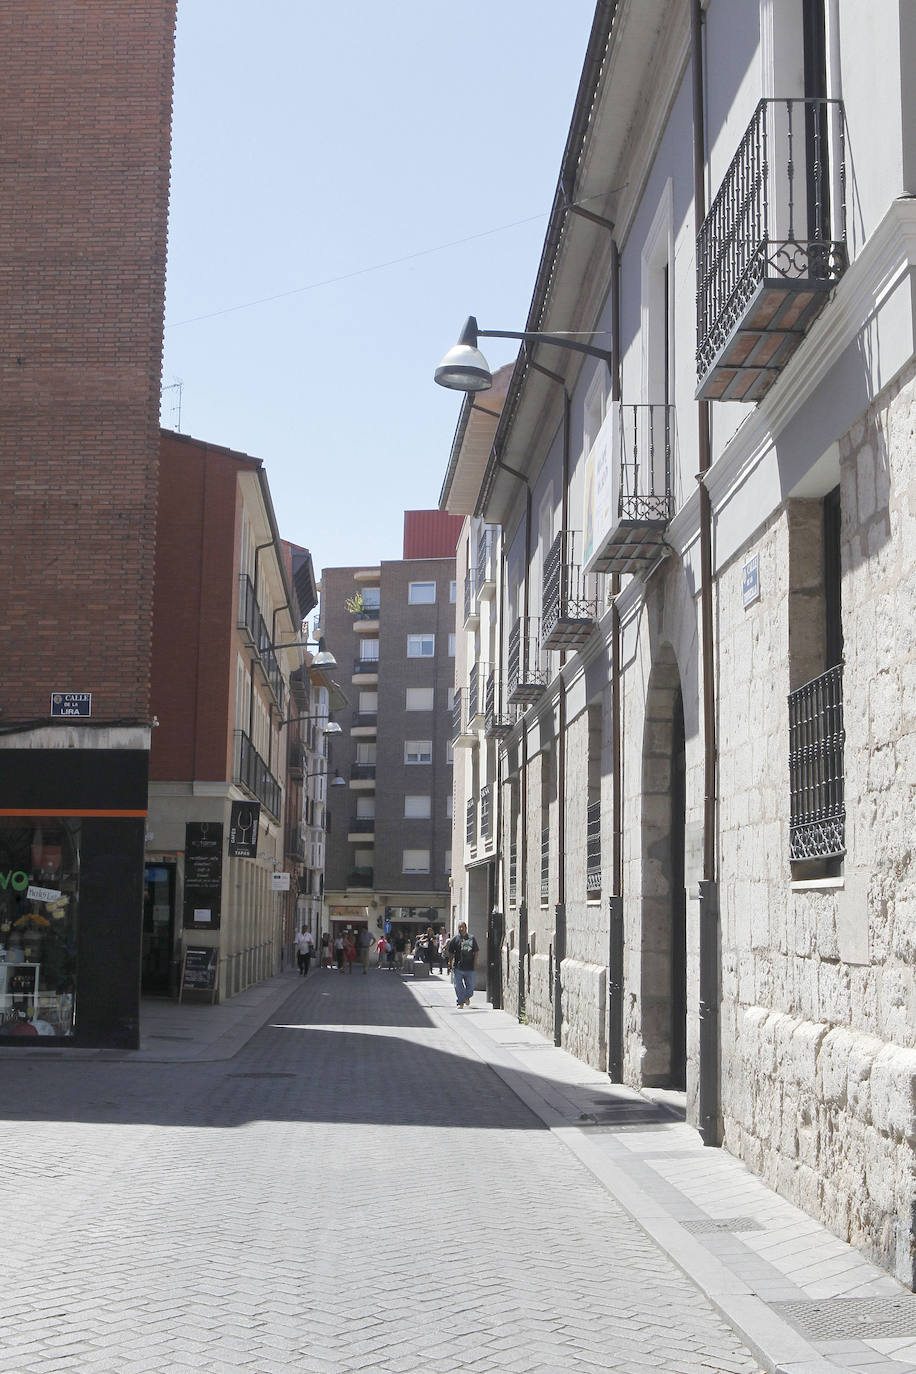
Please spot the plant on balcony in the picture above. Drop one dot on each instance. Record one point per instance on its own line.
(355, 604)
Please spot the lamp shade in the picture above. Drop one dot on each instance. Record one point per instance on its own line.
(464, 368)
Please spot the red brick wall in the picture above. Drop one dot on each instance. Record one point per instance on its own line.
(84, 145)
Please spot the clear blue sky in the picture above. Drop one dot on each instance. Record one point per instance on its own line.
(312, 144)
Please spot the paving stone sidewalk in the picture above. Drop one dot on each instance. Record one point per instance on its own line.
(376, 1181)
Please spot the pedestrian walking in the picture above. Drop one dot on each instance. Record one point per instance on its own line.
(462, 953)
(305, 946)
(325, 960)
(339, 952)
(381, 949)
(349, 944)
(364, 942)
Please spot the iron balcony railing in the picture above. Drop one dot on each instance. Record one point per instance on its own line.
(360, 877)
(526, 677)
(470, 826)
(252, 622)
(365, 665)
(817, 826)
(646, 451)
(630, 500)
(363, 718)
(780, 213)
(477, 676)
(470, 595)
(461, 717)
(485, 812)
(297, 758)
(295, 844)
(498, 719)
(545, 864)
(362, 771)
(569, 608)
(593, 850)
(253, 773)
(486, 559)
(362, 825)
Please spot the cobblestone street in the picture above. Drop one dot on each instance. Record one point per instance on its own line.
(354, 1190)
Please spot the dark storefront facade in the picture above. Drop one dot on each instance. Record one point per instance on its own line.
(72, 825)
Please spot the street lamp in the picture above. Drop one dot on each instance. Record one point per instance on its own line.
(327, 727)
(464, 368)
(336, 781)
(323, 659)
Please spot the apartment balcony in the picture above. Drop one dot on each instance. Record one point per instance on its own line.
(296, 758)
(817, 825)
(487, 570)
(772, 247)
(498, 717)
(365, 672)
(628, 480)
(365, 622)
(471, 608)
(568, 612)
(362, 776)
(477, 676)
(295, 844)
(364, 724)
(470, 824)
(360, 877)
(252, 773)
(526, 676)
(463, 734)
(486, 813)
(361, 828)
(593, 851)
(253, 628)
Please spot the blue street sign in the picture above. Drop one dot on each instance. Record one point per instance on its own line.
(71, 703)
(387, 927)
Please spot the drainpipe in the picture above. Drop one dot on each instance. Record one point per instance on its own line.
(709, 1107)
(615, 913)
(559, 929)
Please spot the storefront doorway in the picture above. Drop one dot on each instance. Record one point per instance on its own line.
(158, 929)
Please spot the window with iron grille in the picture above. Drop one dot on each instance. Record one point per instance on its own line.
(513, 873)
(485, 814)
(593, 851)
(471, 821)
(817, 828)
(545, 864)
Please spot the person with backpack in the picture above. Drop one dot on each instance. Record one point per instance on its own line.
(462, 952)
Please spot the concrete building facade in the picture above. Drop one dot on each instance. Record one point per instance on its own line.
(389, 839)
(709, 533)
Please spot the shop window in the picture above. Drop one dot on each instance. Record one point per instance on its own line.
(39, 898)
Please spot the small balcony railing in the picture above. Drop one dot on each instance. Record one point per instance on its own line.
(569, 610)
(526, 676)
(361, 772)
(471, 613)
(629, 494)
(296, 758)
(470, 825)
(362, 825)
(365, 665)
(545, 865)
(498, 718)
(253, 773)
(486, 814)
(817, 826)
(477, 676)
(295, 844)
(254, 627)
(486, 562)
(360, 877)
(462, 731)
(772, 246)
(363, 720)
(593, 850)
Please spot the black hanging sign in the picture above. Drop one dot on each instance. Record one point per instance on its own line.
(203, 874)
(244, 818)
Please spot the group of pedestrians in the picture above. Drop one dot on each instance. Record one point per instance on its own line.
(458, 955)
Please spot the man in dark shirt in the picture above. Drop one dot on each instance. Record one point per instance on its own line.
(462, 953)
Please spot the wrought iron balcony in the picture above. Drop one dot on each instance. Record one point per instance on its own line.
(486, 562)
(360, 877)
(365, 667)
(470, 829)
(295, 844)
(362, 772)
(253, 626)
(593, 850)
(361, 825)
(498, 718)
(462, 732)
(568, 612)
(364, 724)
(772, 246)
(817, 826)
(628, 488)
(471, 611)
(253, 773)
(486, 814)
(477, 676)
(296, 758)
(526, 677)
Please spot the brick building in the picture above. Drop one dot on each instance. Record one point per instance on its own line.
(85, 131)
(389, 841)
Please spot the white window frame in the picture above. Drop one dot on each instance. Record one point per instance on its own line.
(421, 749)
(419, 599)
(416, 646)
(364, 646)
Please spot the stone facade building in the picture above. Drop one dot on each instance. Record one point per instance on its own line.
(707, 524)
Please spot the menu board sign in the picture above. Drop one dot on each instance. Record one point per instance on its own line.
(243, 829)
(203, 874)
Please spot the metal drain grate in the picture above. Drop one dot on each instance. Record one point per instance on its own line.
(851, 1319)
(706, 1225)
(171, 1037)
(260, 1075)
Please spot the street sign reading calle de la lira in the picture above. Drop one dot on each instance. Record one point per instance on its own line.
(71, 703)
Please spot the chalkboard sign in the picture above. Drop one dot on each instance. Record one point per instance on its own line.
(203, 873)
(198, 969)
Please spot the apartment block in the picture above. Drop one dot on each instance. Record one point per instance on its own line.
(389, 839)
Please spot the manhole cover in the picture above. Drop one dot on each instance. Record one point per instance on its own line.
(851, 1319)
(707, 1225)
